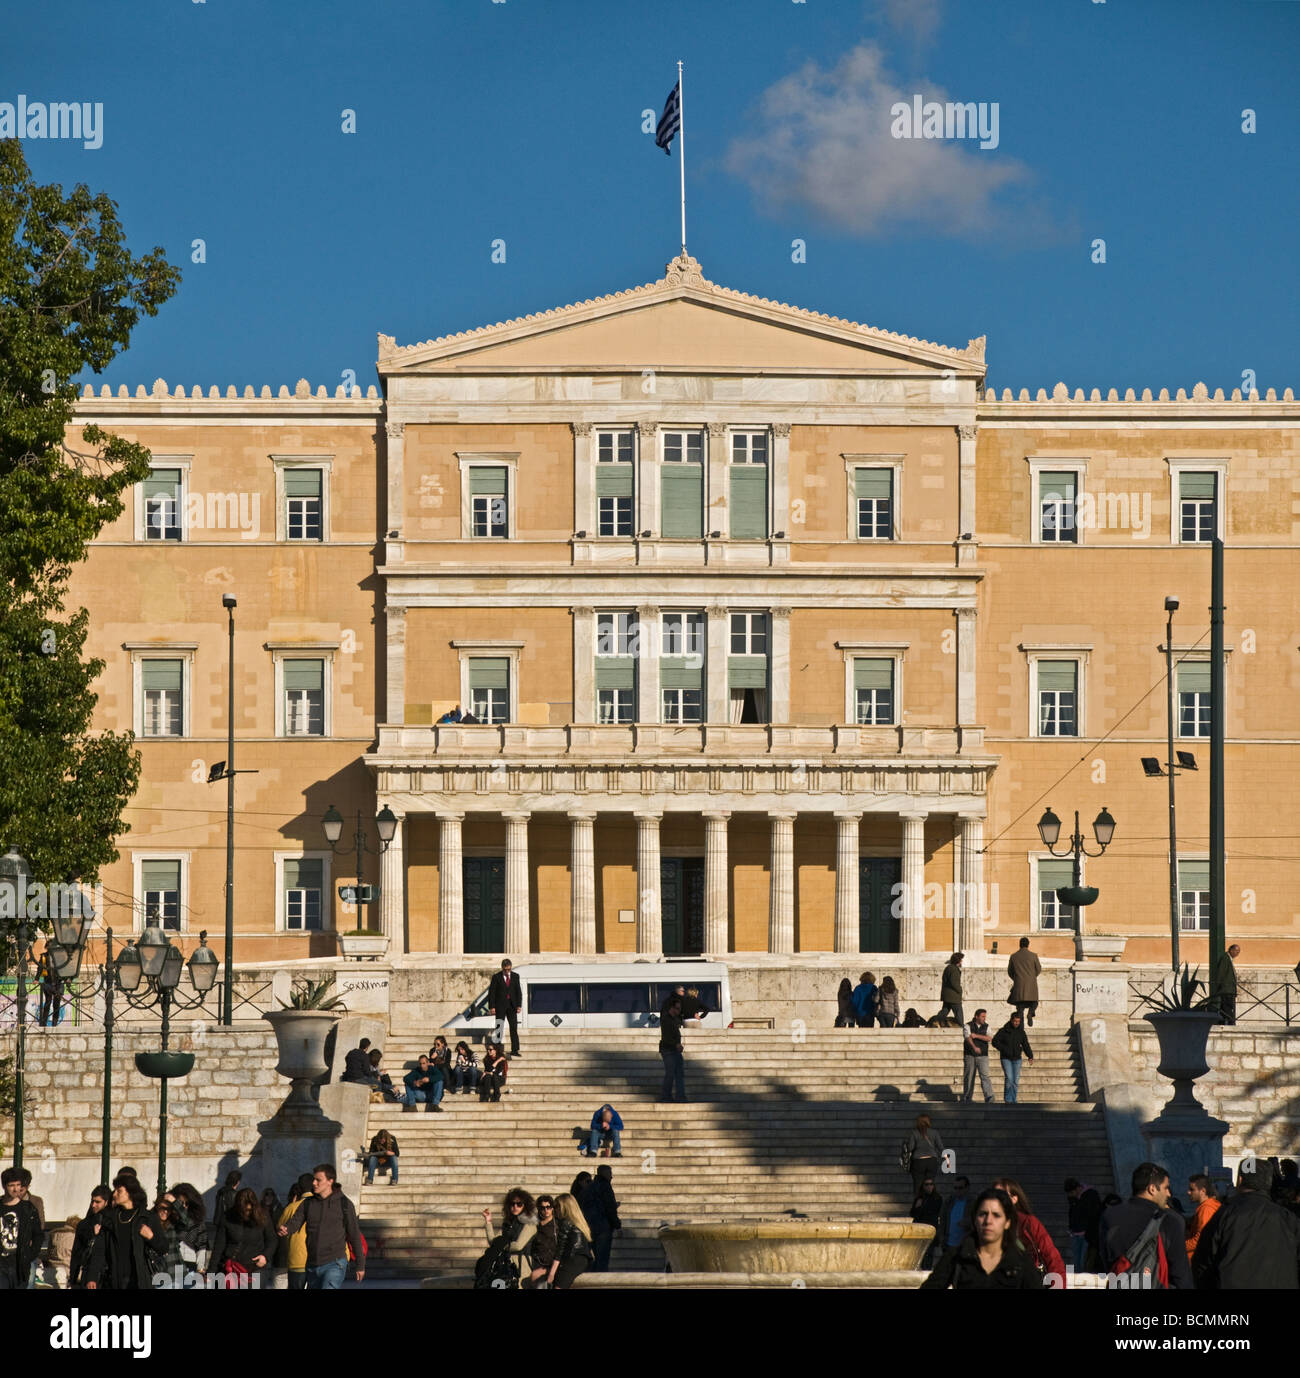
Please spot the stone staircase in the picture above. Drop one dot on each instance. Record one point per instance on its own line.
(772, 1127)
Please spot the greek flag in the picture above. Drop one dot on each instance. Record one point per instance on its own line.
(671, 120)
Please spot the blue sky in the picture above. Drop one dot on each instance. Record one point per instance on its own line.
(521, 121)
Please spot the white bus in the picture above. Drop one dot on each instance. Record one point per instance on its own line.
(624, 995)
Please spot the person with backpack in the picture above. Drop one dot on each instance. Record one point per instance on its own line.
(328, 1221)
(1250, 1243)
(1142, 1235)
(921, 1153)
(991, 1256)
(864, 1000)
(887, 1003)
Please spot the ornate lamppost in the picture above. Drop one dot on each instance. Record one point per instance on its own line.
(1077, 895)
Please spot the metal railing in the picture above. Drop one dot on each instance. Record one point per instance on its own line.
(82, 1007)
(1280, 1004)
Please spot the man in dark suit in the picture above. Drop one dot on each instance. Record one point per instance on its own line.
(504, 998)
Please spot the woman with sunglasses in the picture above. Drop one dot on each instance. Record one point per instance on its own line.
(495, 1071)
(518, 1226)
(541, 1253)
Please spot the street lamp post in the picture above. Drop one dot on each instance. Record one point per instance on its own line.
(229, 602)
(14, 872)
(385, 826)
(1077, 895)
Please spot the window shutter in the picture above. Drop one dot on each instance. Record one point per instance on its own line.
(1053, 874)
(1193, 875)
(1060, 486)
(1058, 674)
(487, 480)
(161, 674)
(747, 672)
(489, 672)
(302, 483)
(873, 483)
(1196, 485)
(683, 501)
(615, 672)
(681, 672)
(160, 875)
(1194, 677)
(614, 481)
(304, 674)
(162, 483)
(302, 873)
(873, 674)
(749, 501)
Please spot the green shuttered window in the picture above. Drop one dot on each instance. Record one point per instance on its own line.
(748, 501)
(1058, 698)
(160, 883)
(162, 505)
(1058, 493)
(873, 490)
(303, 883)
(873, 691)
(747, 672)
(162, 683)
(304, 698)
(683, 502)
(1052, 914)
(1194, 896)
(1194, 698)
(489, 506)
(489, 688)
(302, 504)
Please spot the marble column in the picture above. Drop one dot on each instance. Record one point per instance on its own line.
(451, 884)
(649, 916)
(780, 912)
(647, 477)
(718, 631)
(649, 709)
(517, 926)
(582, 877)
(847, 883)
(966, 529)
(584, 479)
(779, 675)
(392, 892)
(912, 936)
(965, 667)
(973, 908)
(715, 884)
(395, 639)
(717, 497)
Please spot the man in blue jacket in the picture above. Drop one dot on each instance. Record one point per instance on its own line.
(605, 1124)
(864, 1000)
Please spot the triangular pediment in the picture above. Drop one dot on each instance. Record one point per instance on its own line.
(684, 322)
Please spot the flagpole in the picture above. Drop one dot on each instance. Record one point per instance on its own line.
(681, 151)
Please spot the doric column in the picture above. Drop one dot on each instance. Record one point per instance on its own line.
(715, 884)
(649, 916)
(584, 665)
(582, 875)
(966, 487)
(517, 928)
(718, 631)
(779, 480)
(912, 936)
(647, 664)
(584, 480)
(451, 884)
(971, 938)
(965, 667)
(395, 680)
(780, 909)
(647, 477)
(392, 892)
(717, 497)
(779, 708)
(848, 930)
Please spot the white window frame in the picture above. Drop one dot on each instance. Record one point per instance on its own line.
(616, 722)
(854, 462)
(598, 431)
(702, 431)
(1192, 856)
(749, 614)
(1081, 655)
(677, 693)
(872, 650)
(1034, 909)
(703, 639)
(327, 892)
(305, 650)
(1179, 735)
(634, 634)
(141, 651)
(484, 650)
(157, 461)
(137, 886)
(631, 521)
(325, 463)
(482, 459)
(747, 433)
(1218, 466)
(1052, 464)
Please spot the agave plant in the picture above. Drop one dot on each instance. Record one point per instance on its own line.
(314, 995)
(1179, 993)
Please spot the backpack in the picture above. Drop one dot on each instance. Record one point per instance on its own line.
(1145, 1257)
(496, 1270)
(905, 1156)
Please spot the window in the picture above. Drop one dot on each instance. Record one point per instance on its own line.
(873, 691)
(1197, 503)
(616, 634)
(489, 688)
(683, 634)
(304, 698)
(874, 492)
(1193, 698)
(747, 668)
(614, 706)
(160, 893)
(162, 684)
(611, 999)
(617, 643)
(1058, 698)
(614, 447)
(615, 483)
(748, 633)
(1052, 914)
(1057, 499)
(682, 481)
(489, 509)
(1194, 896)
(162, 505)
(551, 997)
(302, 504)
(303, 891)
(683, 705)
(748, 504)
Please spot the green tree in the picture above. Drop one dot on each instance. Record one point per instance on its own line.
(71, 292)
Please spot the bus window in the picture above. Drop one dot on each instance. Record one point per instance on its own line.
(552, 998)
(710, 995)
(627, 999)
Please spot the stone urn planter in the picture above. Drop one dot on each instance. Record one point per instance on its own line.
(366, 946)
(1098, 947)
(1183, 1036)
(796, 1246)
(300, 1041)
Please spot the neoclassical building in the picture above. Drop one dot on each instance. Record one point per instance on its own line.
(776, 633)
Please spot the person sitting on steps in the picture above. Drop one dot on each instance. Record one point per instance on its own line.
(423, 1086)
(606, 1129)
(495, 1071)
(466, 1068)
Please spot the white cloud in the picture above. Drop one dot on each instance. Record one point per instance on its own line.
(821, 142)
(917, 18)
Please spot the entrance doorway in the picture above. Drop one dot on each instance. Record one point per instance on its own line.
(878, 926)
(484, 882)
(681, 902)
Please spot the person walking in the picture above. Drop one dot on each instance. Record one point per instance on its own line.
(991, 1256)
(1200, 1192)
(1024, 969)
(291, 1252)
(975, 1059)
(505, 1000)
(1012, 1044)
(84, 1236)
(125, 1252)
(922, 1151)
(225, 1197)
(1250, 1243)
(927, 1209)
(950, 989)
(1085, 1218)
(1033, 1233)
(887, 1003)
(1223, 989)
(670, 1049)
(864, 1000)
(846, 1017)
(243, 1239)
(1129, 1231)
(328, 1219)
(954, 1221)
(51, 984)
(20, 1233)
(572, 1246)
(383, 1155)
